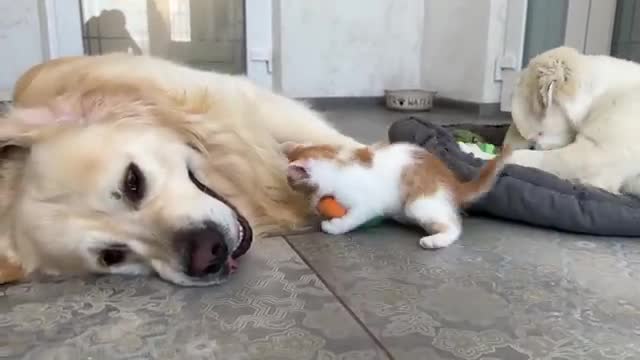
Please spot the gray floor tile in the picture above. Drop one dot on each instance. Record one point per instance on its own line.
(370, 123)
(504, 291)
(274, 308)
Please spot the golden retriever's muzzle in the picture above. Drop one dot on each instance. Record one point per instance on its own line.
(247, 231)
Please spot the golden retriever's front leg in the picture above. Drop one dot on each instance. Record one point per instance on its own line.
(569, 162)
(581, 161)
(575, 161)
(527, 158)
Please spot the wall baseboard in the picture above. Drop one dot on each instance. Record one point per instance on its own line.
(479, 109)
(328, 103)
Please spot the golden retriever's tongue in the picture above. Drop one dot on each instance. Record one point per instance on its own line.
(233, 264)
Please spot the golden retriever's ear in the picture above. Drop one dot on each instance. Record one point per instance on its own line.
(88, 106)
(15, 132)
(10, 271)
(45, 115)
(549, 95)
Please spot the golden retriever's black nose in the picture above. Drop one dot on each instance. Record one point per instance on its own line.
(205, 250)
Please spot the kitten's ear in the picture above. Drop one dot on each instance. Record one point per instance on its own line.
(296, 172)
(288, 147)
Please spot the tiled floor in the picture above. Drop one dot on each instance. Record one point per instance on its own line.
(504, 291)
(369, 124)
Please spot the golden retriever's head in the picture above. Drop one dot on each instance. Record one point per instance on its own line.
(114, 189)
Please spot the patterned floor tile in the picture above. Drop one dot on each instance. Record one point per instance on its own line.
(274, 308)
(504, 291)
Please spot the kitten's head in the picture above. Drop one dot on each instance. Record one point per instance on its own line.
(301, 157)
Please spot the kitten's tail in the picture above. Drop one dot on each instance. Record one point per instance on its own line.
(470, 191)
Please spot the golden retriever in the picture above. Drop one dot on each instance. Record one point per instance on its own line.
(134, 164)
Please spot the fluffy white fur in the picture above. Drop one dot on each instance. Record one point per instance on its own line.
(580, 114)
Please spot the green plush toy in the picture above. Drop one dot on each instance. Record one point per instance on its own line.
(469, 137)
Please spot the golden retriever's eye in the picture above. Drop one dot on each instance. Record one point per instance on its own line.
(112, 256)
(133, 185)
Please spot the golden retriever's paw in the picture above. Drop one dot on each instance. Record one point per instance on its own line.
(528, 158)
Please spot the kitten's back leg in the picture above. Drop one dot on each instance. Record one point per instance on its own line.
(437, 214)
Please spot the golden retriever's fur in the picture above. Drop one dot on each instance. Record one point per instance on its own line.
(61, 141)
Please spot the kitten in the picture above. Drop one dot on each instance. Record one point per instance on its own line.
(401, 181)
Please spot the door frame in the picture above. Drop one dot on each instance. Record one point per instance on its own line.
(63, 28)
(258, 24)
(589, 28)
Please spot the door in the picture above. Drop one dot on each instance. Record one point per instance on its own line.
(232, 37)
(32, 31)
(227, 36)
(535, 26)
(626, 32)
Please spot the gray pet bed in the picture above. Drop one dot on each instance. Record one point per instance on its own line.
(529, 195)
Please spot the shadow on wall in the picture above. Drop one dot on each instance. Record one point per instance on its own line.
(204, 34)
(108, 33)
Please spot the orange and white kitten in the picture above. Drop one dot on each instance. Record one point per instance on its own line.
(401, 181)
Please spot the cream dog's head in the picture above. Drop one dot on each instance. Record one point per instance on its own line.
(113, 187)
(540, 98)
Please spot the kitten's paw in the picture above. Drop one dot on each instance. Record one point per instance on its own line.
(437, 241)
(334, 227)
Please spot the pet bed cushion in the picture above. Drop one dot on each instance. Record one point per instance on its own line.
(526, 194)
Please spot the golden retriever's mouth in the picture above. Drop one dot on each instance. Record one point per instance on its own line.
(245, 232)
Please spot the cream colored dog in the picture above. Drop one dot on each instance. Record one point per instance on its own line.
(123, 164)
(580, 116)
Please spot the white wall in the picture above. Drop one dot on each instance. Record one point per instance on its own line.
(20, 40)
(348, 48)
(361, 47)
(462, 40)
(32, 31)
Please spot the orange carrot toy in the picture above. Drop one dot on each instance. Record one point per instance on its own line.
(330, 208)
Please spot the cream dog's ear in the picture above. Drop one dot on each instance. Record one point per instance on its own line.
(550, 94)
(10, 271)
